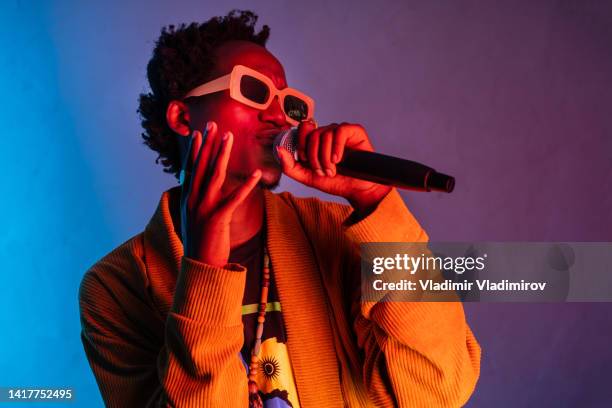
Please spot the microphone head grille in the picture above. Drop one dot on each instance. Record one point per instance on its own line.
(286, 139)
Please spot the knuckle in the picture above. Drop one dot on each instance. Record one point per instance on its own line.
(358, 128)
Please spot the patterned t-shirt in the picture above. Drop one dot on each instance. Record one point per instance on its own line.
(275, 376)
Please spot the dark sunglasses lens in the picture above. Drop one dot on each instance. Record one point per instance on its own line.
(253, 89)
(296, 108)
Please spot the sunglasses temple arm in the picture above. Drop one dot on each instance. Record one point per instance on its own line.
(216, 85)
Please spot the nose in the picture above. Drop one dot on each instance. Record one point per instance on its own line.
(273, 114)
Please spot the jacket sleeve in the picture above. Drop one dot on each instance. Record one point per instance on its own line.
(417, 354)
(196, 364)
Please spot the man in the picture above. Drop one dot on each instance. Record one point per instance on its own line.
(234, 296)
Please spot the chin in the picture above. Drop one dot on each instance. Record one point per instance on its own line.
(270, 178)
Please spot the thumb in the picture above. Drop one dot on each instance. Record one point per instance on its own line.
(292, 168)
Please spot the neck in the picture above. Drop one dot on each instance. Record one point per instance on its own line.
(246, 221)
(248, 218)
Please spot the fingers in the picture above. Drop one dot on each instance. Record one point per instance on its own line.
(210, 156)
(211, 165)
(294, 169)
(321, 149)
(304, 129)
(338, 145)
(319, 145)
(325, 153)
(185, 143)
(200, 163)
(220, 171)
(186, 179)
(312, 152)
(195, 143)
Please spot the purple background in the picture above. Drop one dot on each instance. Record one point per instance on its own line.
(512, 98)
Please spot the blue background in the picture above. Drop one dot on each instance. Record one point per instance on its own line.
(512, 99)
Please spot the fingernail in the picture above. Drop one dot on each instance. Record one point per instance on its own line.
(209, 126)
(320, 173)
(225, 136)
(256, 173)
(335, 158)
(329, 172)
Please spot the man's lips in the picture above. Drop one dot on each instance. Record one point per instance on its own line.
(267, 137)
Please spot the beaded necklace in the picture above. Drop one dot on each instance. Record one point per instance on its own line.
(254, 398)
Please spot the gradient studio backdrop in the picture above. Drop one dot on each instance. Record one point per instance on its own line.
(513, 99)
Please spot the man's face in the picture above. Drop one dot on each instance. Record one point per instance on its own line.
(253, 129)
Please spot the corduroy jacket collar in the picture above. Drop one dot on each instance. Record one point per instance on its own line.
(310, 340)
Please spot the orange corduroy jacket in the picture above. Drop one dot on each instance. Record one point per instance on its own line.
(160, 329)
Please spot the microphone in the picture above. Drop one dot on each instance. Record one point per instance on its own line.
(376, 167)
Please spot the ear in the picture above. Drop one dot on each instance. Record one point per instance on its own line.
(177, 116)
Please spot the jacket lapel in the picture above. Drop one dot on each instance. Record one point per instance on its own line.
(163, 251)
(304, 306)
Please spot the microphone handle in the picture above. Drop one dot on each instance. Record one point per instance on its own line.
(393, 171)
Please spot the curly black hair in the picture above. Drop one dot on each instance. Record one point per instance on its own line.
(182, 59)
